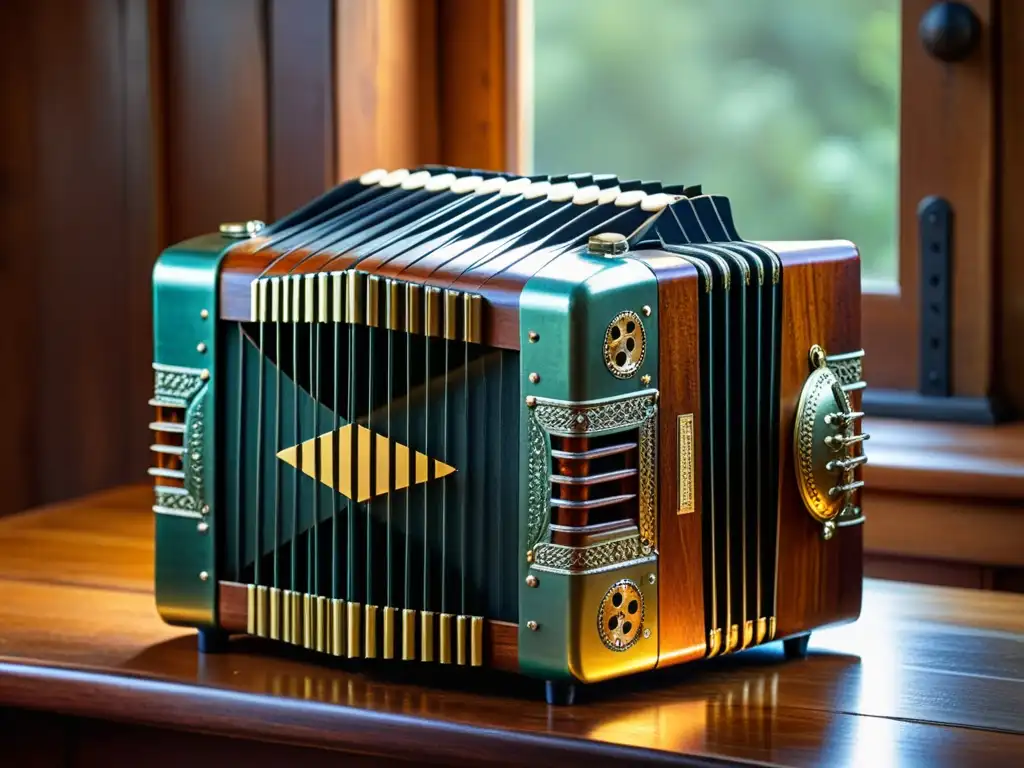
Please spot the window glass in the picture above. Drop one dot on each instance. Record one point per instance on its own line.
(789, 107)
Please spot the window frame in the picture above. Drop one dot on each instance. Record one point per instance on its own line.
(948, 148)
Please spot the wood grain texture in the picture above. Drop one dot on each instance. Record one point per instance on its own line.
(681, 632)
(819, 582)
(934, 674)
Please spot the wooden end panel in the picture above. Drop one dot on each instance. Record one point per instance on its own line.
(501, 638)
(820, 582)
(680, 562)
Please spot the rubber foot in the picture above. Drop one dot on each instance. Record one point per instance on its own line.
(796, 647)
(213, 640)
(559, 694)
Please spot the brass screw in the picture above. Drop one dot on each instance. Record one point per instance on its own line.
(529, 556)
(204, 576)
(204, 313)
(534, 377)
(651, 578)
(530, 401)
(203, 527)
(647, 633)
(204, 374)
(646, 310)
(532, 625)
(534, 337)
(205, 510)
(531, 581)
(646, 379)
(200, 348)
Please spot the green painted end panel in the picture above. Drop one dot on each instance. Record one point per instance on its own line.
(185, 291)
(566, 310)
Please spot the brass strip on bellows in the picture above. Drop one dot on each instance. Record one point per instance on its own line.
(310, 296)
(389, 633)
(261, 611)
(414, 308)
(352, 629)
(460, 639)
(451, 314)
(432, 300)
(370, 624)
(286, 616)
(473, 317)
(275, 613)
(426, 636)
(408, 634)
(446, 638)
(355, 308)
(372, 301)
(338, 627)
(394, 304)
(476, 646)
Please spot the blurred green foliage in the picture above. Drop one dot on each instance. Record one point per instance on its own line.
(788, 107)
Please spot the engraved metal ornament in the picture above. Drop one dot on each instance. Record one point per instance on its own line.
(625, 344)
(823, 433)
(596, 558)
(546, 417)
(620, 618)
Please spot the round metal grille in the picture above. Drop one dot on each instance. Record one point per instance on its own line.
(621, 617)
(625, 344)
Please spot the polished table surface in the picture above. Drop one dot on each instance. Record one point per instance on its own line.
(927, 676)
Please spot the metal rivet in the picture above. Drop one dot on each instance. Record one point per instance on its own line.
(529, 556)
(534, 377)
(200, 347)
(646, 379)
(607, 244)
(204, 576)
(204, 313)
(241, 228)
(646, 310)
(196, 456)
(651, 578)
(532, 626)
(206, 509)
(203, 527)
(531, 581)
(530, 401)
(647, 633)
(534, 337)
(204, 374)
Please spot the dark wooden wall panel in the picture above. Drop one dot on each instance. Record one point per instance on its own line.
(215, 119)
(301, 102)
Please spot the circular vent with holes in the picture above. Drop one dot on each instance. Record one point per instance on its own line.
(621, 617)
(624, 344)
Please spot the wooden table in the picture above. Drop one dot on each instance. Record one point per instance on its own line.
(89, 675)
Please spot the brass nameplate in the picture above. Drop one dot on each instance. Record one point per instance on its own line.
(686, 505)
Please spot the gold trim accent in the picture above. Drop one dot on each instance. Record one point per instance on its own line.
(354, 308)
(338, 627)
(433, 317)
(275, 613)
(261, 611)
(309, 282)
(686, 463)
(408, 634)
(370, 649)
(389, 632)
(762, 629)
(394, 305)
(473, 313)
(307, 621)
(460, 639)
(413, 308)
(748, 632)
(476, 641)
(445, 639)
(275, 299)
(771, 628)
(296, 601)
(352, 627)
(426, 635)
(451, 314)
(734, 638)
(322, 616)
(338, 310)
(372, 300)
(250, 601)
(286, 616)
(714, 642)
(322, 295)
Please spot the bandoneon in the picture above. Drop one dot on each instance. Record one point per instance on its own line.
(574, 427)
